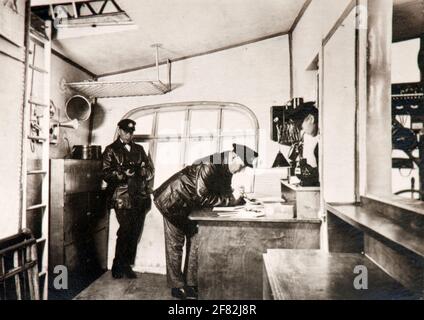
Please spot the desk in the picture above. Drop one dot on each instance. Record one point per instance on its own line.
(231, 248)
(317, 275)
(306, 200)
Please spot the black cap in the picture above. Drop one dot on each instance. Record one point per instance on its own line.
(127, 125)
(245, 153)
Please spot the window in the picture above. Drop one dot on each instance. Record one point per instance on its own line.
(407, 115)
(178, 134)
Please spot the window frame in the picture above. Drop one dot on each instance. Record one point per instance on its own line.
(187, 107)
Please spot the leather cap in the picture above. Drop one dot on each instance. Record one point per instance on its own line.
(127, 125)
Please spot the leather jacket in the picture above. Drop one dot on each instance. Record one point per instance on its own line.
(130, 192)
(195, 186)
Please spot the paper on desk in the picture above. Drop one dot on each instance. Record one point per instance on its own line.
(271, 199)
(225, 209)
(248, 211)
(242, 214)
(250, 214)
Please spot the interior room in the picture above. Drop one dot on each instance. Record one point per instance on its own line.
(214, 150)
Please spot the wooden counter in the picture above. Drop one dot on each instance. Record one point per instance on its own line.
(390, 236)
(231, 248)
(317, 275)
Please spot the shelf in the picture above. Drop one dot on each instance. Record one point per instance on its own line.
(373, 223)
(131, 88)
(113, 89)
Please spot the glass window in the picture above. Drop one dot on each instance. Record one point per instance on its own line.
(202, 136)
(199, 148)
(167, 161)
(171, 123)
(227, 142)
(145, 145)
(144, 125)
(236, 122)
(404, 61)
(203, 122)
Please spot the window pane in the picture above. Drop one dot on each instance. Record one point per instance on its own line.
(197, 149)
(145, 146)
(168, 160)
(171, 123)
(204, 122)
(144, 125)
(227, 142)
(236, 122)
(404, 61)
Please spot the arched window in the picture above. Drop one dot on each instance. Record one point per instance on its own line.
(177, 134)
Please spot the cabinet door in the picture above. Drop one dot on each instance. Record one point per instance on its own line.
(76, 220)
(98, 213)
(82, 175)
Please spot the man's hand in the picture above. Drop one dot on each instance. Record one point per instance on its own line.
(239, 202)
(239, 197)
(143, 170)
(119, 176)
(129, 173)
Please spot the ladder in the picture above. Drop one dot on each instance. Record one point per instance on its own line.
(36, 126)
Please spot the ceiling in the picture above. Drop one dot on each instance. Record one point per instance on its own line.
(184, 28)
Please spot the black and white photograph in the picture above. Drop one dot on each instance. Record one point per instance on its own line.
(239, 151)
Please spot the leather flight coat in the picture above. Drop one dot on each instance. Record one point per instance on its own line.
(131, 192)
(203, 184)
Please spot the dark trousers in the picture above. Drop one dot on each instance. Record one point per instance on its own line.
(175, 236)
(131, 222)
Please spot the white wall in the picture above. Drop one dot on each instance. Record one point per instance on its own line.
(314, 25)
(338, 116)
(11, 101)
(11, 108)
(11, 104)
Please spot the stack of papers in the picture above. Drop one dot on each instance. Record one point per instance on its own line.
(258, 207)
(248, 211)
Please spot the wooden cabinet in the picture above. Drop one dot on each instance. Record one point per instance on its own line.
(230, 251)
(79, 223)
(306, 200)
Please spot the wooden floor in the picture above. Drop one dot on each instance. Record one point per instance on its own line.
(146, 287)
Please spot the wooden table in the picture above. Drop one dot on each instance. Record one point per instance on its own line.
(317, 275)
(231, 248)
(306, 200)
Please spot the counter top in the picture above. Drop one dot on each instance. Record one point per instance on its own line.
(317, 275)
(208, 215)
(298, 188)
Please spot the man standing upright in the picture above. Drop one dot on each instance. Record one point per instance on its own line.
(128, 172)
(206, 183)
